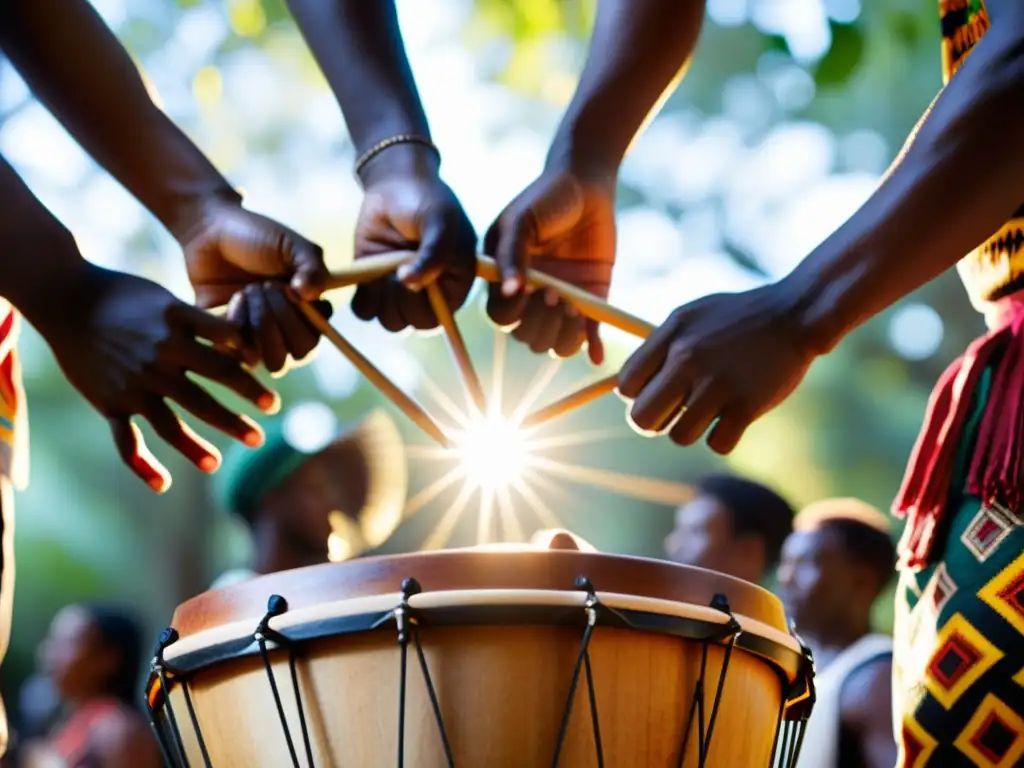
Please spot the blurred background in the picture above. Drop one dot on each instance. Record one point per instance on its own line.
(790, 113)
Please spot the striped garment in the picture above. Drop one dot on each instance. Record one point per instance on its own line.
(13, 471)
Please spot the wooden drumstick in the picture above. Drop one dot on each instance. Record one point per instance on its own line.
(368, 268)
(474, 390)
(589, 305)
(407, 405)
(571, 402)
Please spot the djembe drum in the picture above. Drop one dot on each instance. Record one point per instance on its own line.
(482, 658)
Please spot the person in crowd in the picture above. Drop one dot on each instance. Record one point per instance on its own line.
(835, 564)
(732, 525)
(93, 654)
(309, 499)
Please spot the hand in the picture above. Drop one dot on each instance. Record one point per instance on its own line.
(727, 357)
(408, 207)
(239, 258)
(564, 225)
(128, 346)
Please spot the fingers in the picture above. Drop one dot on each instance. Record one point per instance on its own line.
(570, 335)
(698, 415)
(368, 299)
(728, 432)
(307, 259)
(176, 433)
(131, 447)
(238, 313)
(390, 313)
(512, 253)
(202, 405)
(540, 324)
(595, 346)
(219, 330)
(661, 399)
(430, 259)
(645, 362)
(269, 340)
(226, 371)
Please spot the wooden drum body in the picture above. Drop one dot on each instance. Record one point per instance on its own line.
(483, 659)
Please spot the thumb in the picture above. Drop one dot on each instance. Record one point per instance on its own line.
(218, 330)
(310, 275)
(209, 296)
(426, 267)
(512, 254)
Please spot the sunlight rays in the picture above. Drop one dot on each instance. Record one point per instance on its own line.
(503, 464)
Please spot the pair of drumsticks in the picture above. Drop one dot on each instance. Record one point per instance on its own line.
(374, 267)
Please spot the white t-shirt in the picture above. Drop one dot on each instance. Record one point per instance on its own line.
(821, 739)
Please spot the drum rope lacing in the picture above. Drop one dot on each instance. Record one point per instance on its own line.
(797, 701)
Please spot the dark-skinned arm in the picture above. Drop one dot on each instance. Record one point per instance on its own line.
(639, 50)
(866, 710)
(359, 48)
(39, 253)
(77, 68)
(958, 181)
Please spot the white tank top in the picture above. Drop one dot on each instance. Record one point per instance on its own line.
(821, 740)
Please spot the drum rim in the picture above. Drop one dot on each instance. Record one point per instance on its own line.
(483, 608)
(477, 569)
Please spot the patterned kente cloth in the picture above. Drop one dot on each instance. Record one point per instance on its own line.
(959, 641)
(959, 645)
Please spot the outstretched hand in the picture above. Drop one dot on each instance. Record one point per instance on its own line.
(257, 267)
(128, 345)
(723, 360)
(563, 224)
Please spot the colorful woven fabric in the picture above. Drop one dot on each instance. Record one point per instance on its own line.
(996, 267)
(959, 641)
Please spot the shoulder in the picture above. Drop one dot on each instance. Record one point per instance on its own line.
(866, 694)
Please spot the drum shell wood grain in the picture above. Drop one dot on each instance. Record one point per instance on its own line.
(502, 692)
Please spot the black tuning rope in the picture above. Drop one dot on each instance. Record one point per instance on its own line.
(276, 606)
(591, 607)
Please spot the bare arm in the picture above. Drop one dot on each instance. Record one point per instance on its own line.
(359, 48)
(639, 50)
(38, 253)
(78, 69)
(866, 710)
(957, 183)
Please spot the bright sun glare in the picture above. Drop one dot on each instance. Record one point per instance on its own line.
(507, 467)
(493, 451)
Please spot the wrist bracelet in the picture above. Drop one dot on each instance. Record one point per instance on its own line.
(402, 138)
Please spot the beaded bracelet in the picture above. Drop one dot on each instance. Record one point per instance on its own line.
(402, 138)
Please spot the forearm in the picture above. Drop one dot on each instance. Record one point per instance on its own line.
(358, 46)
(77, 68)
(37, 253)
(959, 180)
(638, 51)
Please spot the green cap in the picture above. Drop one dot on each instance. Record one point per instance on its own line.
(247, 475)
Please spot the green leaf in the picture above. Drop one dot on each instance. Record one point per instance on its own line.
(843, 57)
